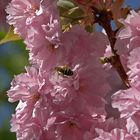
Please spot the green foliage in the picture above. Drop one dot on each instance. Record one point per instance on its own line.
(13, 59)
(10, 36)
(65, 4)
(7, 135)
(70, 14)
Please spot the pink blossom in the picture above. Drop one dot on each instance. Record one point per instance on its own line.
(130, 132)
(128, 37)
(42, 42)
(127, 101)
(106, 125)
(67, 94)
(33, 105)
(38, 24)
(41, 48)
(81, 91)
(115, 134)
(45, 93)
(130, 33)
(24, 15)
(73, 127)
(133, 125)
(133, 65)
(25, 85)
(33, 128)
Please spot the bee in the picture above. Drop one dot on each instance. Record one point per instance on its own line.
(64, 70)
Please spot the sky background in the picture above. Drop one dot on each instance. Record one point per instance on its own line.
(133, 3)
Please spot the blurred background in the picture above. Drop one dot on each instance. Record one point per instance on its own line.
(13, 59)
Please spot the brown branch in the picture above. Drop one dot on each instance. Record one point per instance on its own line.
(103, 18)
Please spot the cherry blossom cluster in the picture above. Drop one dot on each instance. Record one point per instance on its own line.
(67, 92)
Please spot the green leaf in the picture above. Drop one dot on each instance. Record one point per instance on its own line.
(65, 4)
(70, 14)
(10, 36)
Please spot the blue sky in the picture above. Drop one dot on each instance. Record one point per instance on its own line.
(133, 3)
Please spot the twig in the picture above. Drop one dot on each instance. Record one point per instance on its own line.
(103, 18)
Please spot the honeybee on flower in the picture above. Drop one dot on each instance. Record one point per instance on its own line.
(66, 71)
